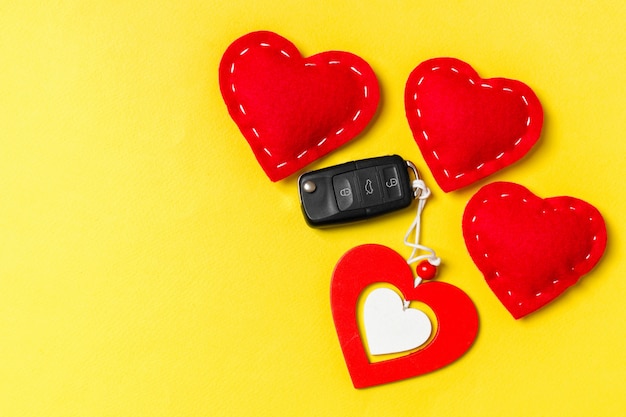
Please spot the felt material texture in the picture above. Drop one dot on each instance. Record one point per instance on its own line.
(294, 110)
(149, 268)
(531, 249)
(468, 127)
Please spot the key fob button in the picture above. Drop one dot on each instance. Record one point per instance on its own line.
(391, 183)
(344, 191)
(369, 186)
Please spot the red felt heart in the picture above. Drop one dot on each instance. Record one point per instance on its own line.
(293, 110)
(529, 249)
(457, 319)
(467, 127)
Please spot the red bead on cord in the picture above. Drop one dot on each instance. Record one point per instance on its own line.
(425, 270)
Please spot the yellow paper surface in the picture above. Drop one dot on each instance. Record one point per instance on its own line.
(149, 268)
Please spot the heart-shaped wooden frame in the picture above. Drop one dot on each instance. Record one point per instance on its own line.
(456, 315)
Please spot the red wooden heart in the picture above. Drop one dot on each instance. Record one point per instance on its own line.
(293, 110)
(467, 127)
(529, 249)
(456, 316)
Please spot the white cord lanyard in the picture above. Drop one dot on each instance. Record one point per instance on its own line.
(420, 252)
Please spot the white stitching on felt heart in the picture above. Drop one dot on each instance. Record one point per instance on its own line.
(484, 85)
(323, 140)
(524, 200)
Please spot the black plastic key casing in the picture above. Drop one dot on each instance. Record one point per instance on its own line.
(355, 190)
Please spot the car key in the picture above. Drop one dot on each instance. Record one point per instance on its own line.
(356, 190)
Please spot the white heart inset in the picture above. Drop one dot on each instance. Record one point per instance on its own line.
(391, 327)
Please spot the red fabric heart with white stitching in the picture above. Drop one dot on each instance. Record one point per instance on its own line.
(457, 319)
(293, 110)
(467, 127)
(530, 249)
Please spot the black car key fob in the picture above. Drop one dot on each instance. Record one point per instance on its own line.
(356, 190)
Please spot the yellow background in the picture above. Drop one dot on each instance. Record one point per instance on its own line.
(149, 268)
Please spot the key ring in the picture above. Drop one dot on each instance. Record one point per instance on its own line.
(420, 191)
